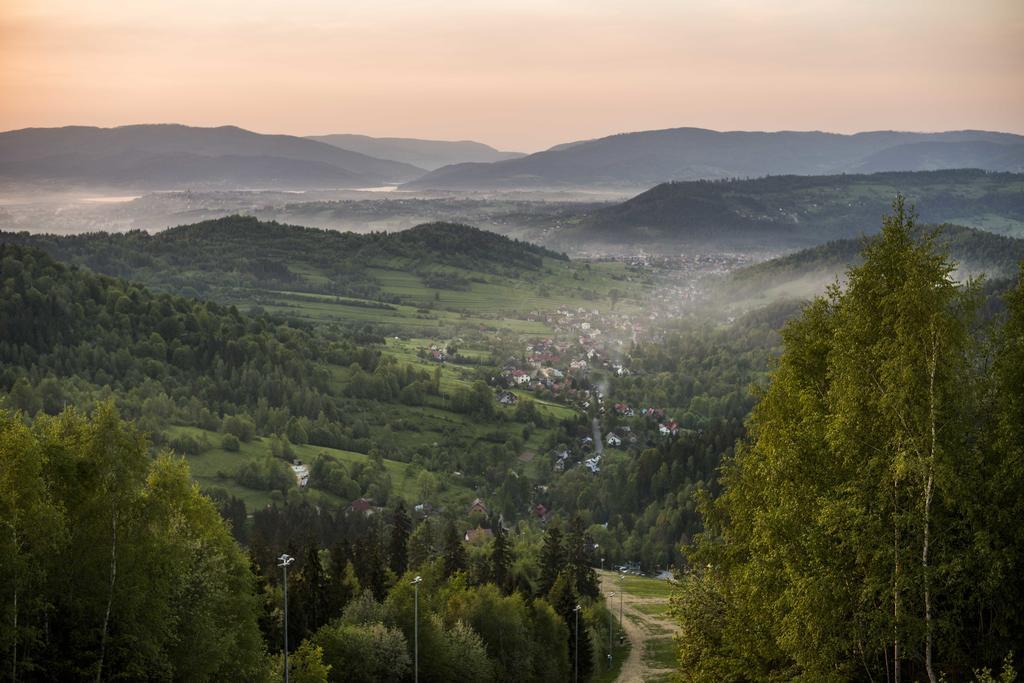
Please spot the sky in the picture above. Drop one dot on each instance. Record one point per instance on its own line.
(517, 74)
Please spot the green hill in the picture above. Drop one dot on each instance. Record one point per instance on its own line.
(807, 272)
(796, 211)
(434, 276)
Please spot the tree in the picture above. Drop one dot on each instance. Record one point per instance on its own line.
(130, 546)
(454, 551)
(422, 544)
(552, 558)
(856, 521)
(369, 653)
(581, 568)
(400, 528)
(564, 599)
(501, 558)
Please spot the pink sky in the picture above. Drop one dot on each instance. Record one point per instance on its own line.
(521, 74)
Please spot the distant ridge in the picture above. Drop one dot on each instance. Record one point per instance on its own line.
(807, 272)
(631, 161)
(428, 154)
(172, 156)
(777, 212)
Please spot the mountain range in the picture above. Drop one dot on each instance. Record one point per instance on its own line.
(426, 154)
(632, 161)
(171, 156)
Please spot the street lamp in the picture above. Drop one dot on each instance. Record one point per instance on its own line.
(283, 563)
(416, 629)
(621, 578)
(610, 595)
(576, 652)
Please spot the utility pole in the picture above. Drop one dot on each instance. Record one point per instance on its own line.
(283, 563)
(416, 628)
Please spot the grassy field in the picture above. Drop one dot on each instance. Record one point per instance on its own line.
(214, 467)
(644, 587)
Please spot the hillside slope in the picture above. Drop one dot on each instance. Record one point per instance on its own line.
(794, 211)
(434, 277)
(642, 159)
(807, 272)
(169, 156)
(427, 154)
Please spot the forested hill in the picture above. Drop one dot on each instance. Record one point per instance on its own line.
(807, 272)
(794, 211)
(243, 252)
(91, 331)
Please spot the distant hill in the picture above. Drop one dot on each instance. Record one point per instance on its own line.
(170, 156)
(242, 253)
(795, 211)
(428, 154)
(807, 272)
(639, 160)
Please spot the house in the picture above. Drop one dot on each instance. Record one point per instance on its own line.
(520, 377)
(561, 459)
(478, 506)
(613, 439)
(363, 505)
(593, 464)
(424, 509)
(541, 512)
(478, 536)
(668, 428)
(507, 398)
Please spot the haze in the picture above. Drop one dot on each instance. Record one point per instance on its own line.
(518, 75)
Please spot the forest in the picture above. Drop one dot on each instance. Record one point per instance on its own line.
(837, 495)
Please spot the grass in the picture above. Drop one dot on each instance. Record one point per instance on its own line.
(660, 653)
(654, 609)
(620, 652)
(214, 467)
(643, 587)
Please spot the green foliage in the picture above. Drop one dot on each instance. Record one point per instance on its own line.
(857, 527)
(119, 567)
(363, 653)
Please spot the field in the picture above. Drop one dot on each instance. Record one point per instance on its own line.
(213, 469)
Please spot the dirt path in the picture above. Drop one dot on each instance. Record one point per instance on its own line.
(639, 628)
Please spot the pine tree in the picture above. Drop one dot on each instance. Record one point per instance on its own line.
(565, 600)
(398, 553)
(552, 558)
(578, 560)
(454, 551)
(501, 558)
(343, 584)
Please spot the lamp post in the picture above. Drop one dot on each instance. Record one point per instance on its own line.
(576, 650)
(283, 563)
(610, 595)
(621, 577)
(416, 628)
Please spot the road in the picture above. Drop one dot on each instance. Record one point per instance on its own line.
(639, 628)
